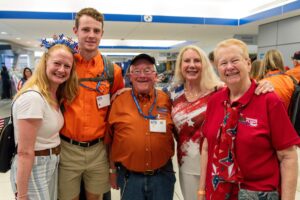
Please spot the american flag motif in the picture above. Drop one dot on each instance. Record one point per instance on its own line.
(1, 123)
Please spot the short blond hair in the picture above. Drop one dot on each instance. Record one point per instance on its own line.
(232, 42)
(208, 79)
(67, 90)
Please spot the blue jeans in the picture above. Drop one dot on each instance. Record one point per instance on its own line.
(159, 186)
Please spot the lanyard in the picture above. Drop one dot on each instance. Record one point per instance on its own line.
(98, 83)
(92, 89)
(149, 116)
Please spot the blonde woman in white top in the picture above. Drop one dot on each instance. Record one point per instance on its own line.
(38, 119)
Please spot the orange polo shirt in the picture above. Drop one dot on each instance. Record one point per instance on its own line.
(133, 144)
(294, 72)
(83, 120)
(283, 86)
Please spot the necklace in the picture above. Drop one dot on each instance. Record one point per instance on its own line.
(191, 95)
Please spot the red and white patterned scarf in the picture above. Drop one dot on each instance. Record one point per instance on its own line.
(226, 174)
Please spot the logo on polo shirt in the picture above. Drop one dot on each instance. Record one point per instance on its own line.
(251, 122)
(248, 121)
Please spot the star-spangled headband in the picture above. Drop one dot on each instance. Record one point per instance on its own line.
(61, 39)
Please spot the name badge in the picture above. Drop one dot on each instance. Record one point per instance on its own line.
(103, 101)
(158, 126)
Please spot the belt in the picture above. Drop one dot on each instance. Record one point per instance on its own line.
(146, 173)
(82, 144)
(48, 152)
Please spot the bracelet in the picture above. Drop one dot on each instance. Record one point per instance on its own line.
(201, 192)
(112, 171)
(21, 196)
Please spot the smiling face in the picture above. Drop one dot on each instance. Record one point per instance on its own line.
(142, 76)
(191, 65)
(89, 33)
(233, 67)
(58, 66)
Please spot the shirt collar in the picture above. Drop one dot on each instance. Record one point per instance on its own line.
(80, 59)
(245, 99)
(144, 97)
(274, 72)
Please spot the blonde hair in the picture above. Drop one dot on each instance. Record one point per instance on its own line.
(67, 90)
(255, 67)
(208, 79)
(232, 42)
(273, 60)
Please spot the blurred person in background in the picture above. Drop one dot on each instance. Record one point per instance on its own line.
(6, 84)
(27, 73)
(211, 58)
(296, 62)
(272, 69)
(255, 67)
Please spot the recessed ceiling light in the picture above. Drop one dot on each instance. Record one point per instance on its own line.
(4, 33)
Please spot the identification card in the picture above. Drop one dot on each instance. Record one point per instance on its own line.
(158, 126)
(103, 101)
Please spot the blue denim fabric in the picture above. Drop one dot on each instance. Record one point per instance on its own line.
(159, 186)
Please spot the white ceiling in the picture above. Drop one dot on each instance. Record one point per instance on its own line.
(27, 32)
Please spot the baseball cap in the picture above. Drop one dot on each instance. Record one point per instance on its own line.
(143, 56)
(296, 55)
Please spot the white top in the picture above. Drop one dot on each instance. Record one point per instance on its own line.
(32, 105)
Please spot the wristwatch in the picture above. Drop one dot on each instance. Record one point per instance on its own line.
(112, 171)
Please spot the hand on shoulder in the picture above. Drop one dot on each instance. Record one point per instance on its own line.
(118, 93)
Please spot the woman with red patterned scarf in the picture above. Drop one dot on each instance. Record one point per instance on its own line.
(249, 150)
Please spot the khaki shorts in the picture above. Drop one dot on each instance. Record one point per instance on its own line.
(87, 163)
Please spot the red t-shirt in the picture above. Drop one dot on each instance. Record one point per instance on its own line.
(264, 128)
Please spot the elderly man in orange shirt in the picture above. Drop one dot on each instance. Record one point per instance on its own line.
(296, 62)
(141, 137)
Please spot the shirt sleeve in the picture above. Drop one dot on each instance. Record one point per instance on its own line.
(109, 133)
(118, 79)
(283, 134)
(203, 128)
(29, 106)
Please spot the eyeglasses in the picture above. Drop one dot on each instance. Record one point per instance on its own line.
(145, 72)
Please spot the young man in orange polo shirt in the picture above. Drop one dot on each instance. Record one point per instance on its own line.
(83, 154)
(141, 137)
